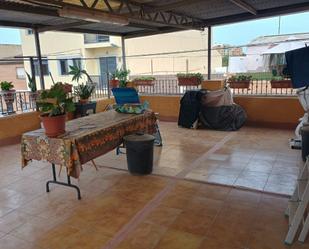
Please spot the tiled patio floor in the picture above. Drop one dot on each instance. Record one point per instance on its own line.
(258, 159)
(154, 212)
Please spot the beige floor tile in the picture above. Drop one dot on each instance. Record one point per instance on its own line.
(174, 239)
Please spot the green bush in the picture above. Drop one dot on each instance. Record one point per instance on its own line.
(238, 78)
(84, 91)
(121, 75)
(6, 86)
(55, 101)
(199, 76)
(146, 78)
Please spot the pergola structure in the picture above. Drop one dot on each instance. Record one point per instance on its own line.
(134, 18)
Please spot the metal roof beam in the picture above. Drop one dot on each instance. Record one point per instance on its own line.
(245, 6)
(148, 33)
(62, 26)
(168, 7)
(135, 12)
(283, 10)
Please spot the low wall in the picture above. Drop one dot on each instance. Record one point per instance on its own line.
(13, 126)
(275, 112)
(278, 112)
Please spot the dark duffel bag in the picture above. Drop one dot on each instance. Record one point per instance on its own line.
(225, 118)
(190, 105)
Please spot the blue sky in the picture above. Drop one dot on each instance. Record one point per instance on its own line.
(243, 33)
(233, 34)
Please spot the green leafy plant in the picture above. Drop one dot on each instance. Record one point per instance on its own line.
(6, 86)
(78, 73)
(84, 91)
(55, 101)
(199, 76)
(31, 83)
(144, 78)
(121, 75)
(239, 78)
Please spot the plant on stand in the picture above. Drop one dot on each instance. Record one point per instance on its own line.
(84, 91)
(8, 94)
(54, 104)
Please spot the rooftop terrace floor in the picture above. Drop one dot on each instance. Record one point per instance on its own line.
(175, 208)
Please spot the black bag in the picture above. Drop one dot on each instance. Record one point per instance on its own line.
(190, 105)
(225, 118)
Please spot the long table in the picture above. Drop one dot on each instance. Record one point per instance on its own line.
(85, 139)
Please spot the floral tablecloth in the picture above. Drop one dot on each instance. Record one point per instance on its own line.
(85, 139)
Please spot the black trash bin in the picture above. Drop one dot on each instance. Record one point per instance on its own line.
(305, 142)
(139, 149)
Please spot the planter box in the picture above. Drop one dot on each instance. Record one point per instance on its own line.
(281, 83)
(193, 81)
(240, 84)
(144, 82)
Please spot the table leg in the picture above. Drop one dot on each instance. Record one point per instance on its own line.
(68, 184)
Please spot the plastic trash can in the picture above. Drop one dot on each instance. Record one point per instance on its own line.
(139, 149)
(305, 142)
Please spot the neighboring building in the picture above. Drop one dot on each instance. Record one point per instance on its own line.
(12, 70)
(228, 50)
(256, 59)
(157, 55)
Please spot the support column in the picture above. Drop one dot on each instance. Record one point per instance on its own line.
(39, 55)
(32, 70)
(209, 54)
(123, 47)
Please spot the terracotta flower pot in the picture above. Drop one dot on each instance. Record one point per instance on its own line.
(83, 101)
(188, 81)
(68, 88)
(54, 126)
(281, 83)
(240, 84)
(113, 83)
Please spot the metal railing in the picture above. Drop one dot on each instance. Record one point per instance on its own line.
(21, 101)
(24, 102)
(93, 38)
(256, 88)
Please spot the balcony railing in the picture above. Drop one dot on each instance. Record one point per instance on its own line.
(23, 102)
(256, 88)
(93, 38)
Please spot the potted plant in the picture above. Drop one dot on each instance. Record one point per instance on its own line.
(84, 91)
(8, 94)
(54, 104)
(114, 82)
(240, 81)
(280, 81)
(33, 90)
(119, 78)
(144, 81)
(189, 79)
(78, 73)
